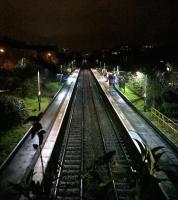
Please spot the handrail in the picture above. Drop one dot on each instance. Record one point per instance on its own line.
(168, 123)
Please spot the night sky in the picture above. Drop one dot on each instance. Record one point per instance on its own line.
(90, 24)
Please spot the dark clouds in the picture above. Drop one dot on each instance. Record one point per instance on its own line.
(89, 23)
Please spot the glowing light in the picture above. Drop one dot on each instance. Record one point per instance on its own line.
(2, 50)
(39, 83)
(168, 69)
(139, 75)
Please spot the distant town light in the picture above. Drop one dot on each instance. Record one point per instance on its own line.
(114, 53)
(2, 50)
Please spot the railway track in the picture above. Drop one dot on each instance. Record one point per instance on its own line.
(111, 141)
(69, 179)
(90, 134)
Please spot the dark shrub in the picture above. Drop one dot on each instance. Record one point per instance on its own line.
(12, 111)
(170, 109)
(29, 88)
(170, 96)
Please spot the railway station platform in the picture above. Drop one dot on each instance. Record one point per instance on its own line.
(24, 156)
(138, 127)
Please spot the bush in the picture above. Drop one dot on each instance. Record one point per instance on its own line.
(170, 109)
(28, 88)
(137, 86)
(12, 111)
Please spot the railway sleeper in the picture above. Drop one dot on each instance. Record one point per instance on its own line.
(73, 157)
(75, 183)
(69, 166)
(68, 198)
(71, 178)
(72, 153)
(70, 172)
(72, 162)
(69, 191)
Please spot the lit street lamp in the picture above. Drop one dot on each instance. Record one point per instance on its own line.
(2, 50)
(49, 57)
(49, 54)
(145, 93)
(39, 92)
(117, 69)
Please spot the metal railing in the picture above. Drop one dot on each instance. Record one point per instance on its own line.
(165, 121)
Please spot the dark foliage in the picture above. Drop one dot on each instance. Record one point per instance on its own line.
(34, 119)
(36, 127)
(35, 146)
(170, 97)
(31, 119)
(170, 109)
(105, 158)
(96, 186)
(40, 136)
(33, 190)
(12, 111)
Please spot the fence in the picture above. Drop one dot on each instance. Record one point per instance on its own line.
(165, 121)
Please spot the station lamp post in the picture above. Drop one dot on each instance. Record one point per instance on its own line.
(61, 69)
(145, 93)
(2, 51)
(39, 92)
(117, 69)
(49, 57)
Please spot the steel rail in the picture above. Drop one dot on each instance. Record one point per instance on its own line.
(117, 135)
(103, 141)
(63, 154)
(82, 146)
(65, 148)
(115, 131)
